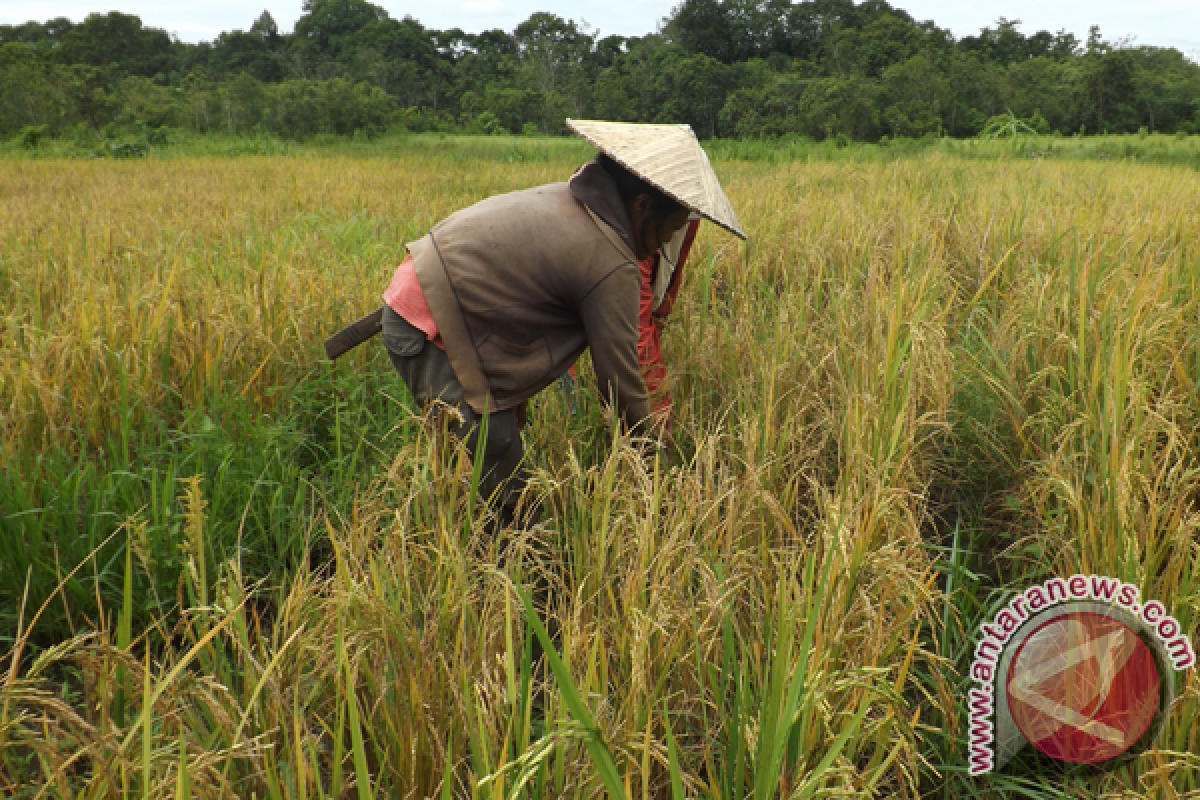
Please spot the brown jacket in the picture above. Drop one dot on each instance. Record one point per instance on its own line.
(521, 283)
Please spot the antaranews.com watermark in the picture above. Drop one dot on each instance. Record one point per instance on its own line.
(1080, 663)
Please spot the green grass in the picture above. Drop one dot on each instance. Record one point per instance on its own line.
(184, 144)
(1169, 149)
(264, 476)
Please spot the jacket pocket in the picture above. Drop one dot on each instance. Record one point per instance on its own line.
(511, 368)
(400, 337)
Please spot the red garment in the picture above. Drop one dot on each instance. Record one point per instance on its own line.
(404, 296)
(651, 320)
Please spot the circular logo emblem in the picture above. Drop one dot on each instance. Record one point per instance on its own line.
(1083, 688)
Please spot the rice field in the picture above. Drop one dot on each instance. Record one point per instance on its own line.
(229, 568)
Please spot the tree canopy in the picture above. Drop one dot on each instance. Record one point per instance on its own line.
(744, 68)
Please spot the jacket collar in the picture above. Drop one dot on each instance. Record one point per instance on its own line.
(592, 187)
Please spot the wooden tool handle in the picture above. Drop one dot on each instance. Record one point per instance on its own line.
(354, 334)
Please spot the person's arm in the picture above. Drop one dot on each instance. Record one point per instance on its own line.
(610, 321)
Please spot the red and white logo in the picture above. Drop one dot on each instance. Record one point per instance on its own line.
(1083, 688)
(1081, 668)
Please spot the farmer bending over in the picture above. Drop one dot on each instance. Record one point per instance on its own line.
(499, 299)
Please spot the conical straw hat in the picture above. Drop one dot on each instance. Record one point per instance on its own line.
(670, 158)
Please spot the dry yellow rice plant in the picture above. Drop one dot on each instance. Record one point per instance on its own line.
(901, 350)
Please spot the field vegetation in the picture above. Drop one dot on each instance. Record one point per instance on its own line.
(229, 568)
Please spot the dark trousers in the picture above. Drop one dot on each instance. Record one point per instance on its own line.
(428, 375)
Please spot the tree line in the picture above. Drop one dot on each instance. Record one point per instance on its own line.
(730, 68)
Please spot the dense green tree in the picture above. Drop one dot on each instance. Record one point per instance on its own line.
(691, 88)
(327, 24)
(812, 25)
(888, 39)
(118, 40)
(837, 105)
(29, 93)
(236, 52)
(1166, 89)
(772, 109)
(145, 102)
(555, 57)
(702, 26)
(1047, 87)
(1110, 92)
(726, 67)
(979, 89)
(1004, 44)
(44, 37)
(885, 40)
(265, 28)
(916, 94)
(514, 108)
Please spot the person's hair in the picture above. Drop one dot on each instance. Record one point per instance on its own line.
(630, 186)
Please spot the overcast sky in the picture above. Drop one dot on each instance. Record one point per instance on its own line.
(1167, 23)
